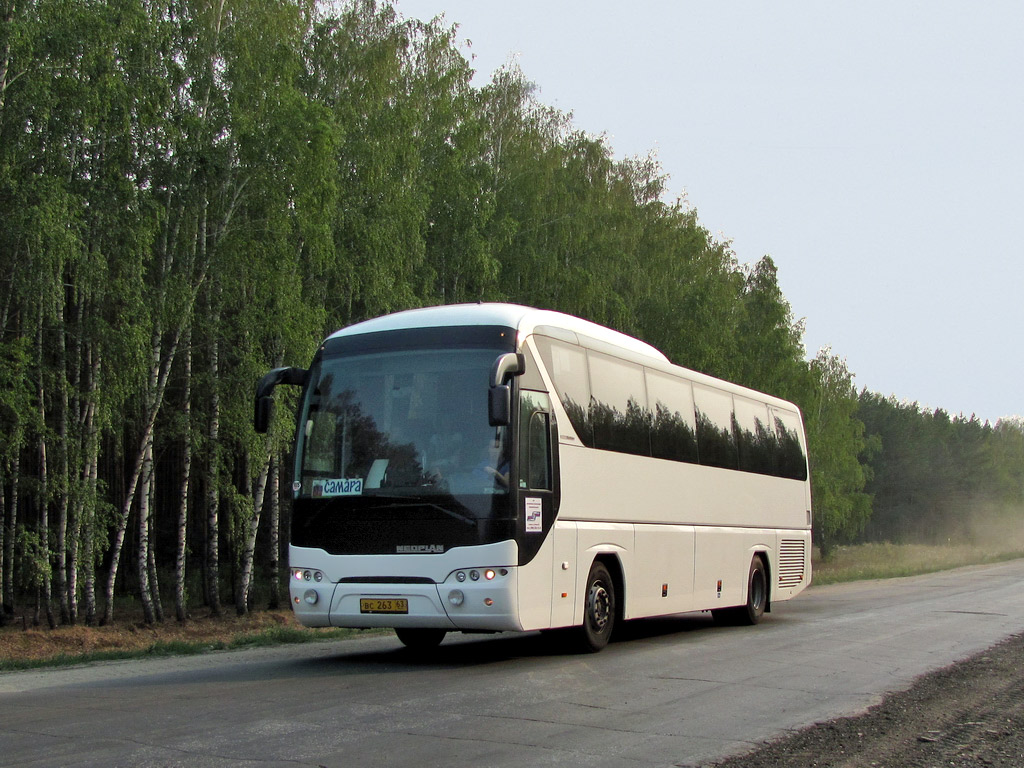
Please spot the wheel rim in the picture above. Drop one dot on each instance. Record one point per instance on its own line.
(599, 606)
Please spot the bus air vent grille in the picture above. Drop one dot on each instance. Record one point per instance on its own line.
(791, 562)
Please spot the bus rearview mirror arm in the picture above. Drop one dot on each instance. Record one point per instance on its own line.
(264, 405)
(499, 396)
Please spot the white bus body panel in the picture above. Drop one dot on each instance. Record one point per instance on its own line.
(648, 500)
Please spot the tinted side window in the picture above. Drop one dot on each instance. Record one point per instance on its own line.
(755, 437)
(673, 426)
(715, 444)
(618, 406)
(791, 461)
(567, 366)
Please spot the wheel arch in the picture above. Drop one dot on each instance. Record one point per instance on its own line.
(611, 561)
(764, 554)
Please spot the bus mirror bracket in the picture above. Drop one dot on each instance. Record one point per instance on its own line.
(499, 400)
(264, 405)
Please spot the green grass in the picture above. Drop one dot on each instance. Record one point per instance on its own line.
(887, 561)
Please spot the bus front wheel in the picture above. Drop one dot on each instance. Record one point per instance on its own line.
(598, 609)
(416, 639)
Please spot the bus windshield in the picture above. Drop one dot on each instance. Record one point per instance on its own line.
(408, 423)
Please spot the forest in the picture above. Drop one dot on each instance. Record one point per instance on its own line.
(193, 192)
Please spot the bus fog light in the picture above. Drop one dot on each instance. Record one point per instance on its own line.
(456, 598)
(311, 596)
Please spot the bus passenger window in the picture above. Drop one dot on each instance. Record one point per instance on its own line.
(618, 406)
(716, 444)
(791, 461)
(755, 437)
(567, 365)
(673, 426)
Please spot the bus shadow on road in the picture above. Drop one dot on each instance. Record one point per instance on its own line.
(471, 650)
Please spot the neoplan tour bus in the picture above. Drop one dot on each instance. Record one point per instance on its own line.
(492, 467)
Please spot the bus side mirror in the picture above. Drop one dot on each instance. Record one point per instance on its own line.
(264, 414)
(499, 405)
(499, 397)
(264, 406)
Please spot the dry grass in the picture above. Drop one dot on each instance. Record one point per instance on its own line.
(22, 645)
(886, 561)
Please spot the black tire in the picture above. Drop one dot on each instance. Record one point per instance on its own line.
(599, 609)
(416, 639)
(757, 599)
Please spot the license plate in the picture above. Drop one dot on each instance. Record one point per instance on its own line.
(383, 605)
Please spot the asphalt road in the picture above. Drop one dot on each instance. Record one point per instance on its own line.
(677, 691)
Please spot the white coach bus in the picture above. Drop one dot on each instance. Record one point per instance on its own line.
(492, 467)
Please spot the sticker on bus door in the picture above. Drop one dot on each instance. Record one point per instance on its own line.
(339, 487)
(534, 515)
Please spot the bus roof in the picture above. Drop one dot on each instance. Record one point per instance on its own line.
(525, 320)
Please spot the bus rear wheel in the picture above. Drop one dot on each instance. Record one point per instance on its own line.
(757, 598)
(598, 609)
(417, 639)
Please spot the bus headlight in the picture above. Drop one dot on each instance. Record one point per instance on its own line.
(476, 574)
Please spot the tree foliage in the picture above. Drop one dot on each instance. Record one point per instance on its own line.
(195, 191)
(939, 477)
(839, 450)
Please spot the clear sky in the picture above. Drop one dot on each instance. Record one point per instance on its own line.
(875, 150)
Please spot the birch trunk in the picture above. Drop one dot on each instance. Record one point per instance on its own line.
(213, 479)
(142, 556)
(45, 577)
(12, 530)
(249, 547)
(3, 548)
(84, 517)
(88, 555)
(180, 605)
(160, 367)
(154, 580)
(60, 545)
(275, 534)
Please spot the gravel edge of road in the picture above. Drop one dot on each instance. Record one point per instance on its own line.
(970, 713)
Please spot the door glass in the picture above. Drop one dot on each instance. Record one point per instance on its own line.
(535, 444)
